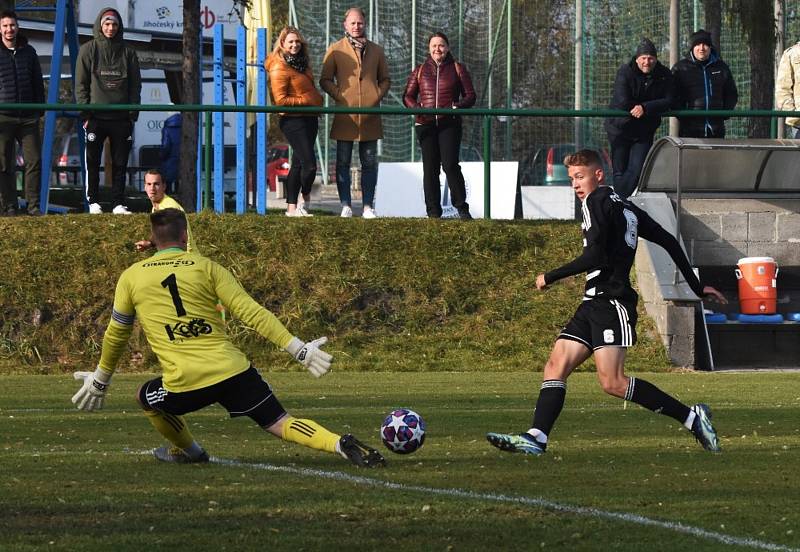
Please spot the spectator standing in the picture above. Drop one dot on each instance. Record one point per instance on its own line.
(644, 88)
(20, 82)
(291, 82)
(440, 82)
(355, 74)
(787, 86)
(703, 81)
(155, 186)
(174, 295)
(604, 325)
(170, 152)
(107, 72)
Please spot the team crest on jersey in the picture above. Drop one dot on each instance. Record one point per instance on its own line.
(608, 336)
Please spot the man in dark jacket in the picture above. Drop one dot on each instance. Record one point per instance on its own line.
(703, 81)
(107, 72)
(644, 88)
(20, 82)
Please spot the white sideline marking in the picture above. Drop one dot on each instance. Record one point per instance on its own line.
(528, 501)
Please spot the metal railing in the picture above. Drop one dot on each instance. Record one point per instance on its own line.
(485, 113)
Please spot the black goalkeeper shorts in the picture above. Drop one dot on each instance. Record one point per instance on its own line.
(602, 323)
(245, 394)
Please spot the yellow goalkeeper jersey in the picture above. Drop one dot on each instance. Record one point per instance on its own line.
(174, 295)
(169, 203)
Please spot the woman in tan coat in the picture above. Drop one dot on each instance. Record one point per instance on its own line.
(292, 84)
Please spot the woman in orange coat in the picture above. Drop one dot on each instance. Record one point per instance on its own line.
(292, 84)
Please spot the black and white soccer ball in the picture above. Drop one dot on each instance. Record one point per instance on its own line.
(403, 431)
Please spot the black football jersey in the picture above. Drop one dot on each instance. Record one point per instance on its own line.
(611, 227)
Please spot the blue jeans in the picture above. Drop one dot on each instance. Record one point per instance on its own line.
(627, 158)
(368, 155)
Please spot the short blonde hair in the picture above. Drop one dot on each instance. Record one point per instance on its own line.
(355, 9)
(583, 158)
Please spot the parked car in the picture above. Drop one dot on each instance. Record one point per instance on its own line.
(544, 166)
(67, 160)
(277, 165)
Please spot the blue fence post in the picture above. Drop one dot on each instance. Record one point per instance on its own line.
(218, 140)
(261, 126)
(241, 119)
(50, 116)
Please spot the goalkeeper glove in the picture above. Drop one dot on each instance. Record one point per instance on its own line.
(310, 355)
(93, 393)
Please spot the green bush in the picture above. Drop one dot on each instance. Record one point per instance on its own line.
(391, 294)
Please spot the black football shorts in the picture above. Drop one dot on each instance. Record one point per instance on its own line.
(245, 394)
(602, 322)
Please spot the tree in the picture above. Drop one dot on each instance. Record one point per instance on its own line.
(191, 95)
(713, 9)
(758, 24)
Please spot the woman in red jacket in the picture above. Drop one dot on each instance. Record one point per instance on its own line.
(292, 84)
(444, 83)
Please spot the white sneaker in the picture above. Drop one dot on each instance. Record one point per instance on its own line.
(369, 213)
(121, 210)
(347, 212)
(301, 212)
(95, 209)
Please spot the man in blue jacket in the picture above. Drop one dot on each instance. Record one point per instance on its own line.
(703, 81)
(170, 152)
(644, 88)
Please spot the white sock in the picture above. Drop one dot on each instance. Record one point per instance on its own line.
(690, 419)
(538, 435)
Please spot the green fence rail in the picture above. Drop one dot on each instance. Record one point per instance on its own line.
(486, 113)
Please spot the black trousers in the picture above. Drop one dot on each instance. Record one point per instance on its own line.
(301, 132)
(25, 131)
(120, 136)
(440, 144)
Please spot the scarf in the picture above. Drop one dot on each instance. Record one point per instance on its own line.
(358, 44)
(299, 62)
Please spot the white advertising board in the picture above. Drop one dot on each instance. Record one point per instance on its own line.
(147, 130)
(164, 16)
(400, 194)
(548, 202)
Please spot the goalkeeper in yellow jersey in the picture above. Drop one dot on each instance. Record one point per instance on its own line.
(174, 295)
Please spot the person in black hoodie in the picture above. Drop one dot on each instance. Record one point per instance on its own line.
(644, 88)
(20, 82)
(703, 81)
(107, 72)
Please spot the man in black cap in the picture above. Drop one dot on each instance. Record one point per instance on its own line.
(644, 88)
(703, 81)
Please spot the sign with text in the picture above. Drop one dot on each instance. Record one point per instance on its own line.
(400, 194)
(165, 16)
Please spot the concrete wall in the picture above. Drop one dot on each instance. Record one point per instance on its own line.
(715, 232)
(674, 319)
(718, 232)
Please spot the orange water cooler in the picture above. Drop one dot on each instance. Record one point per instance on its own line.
(758, 292)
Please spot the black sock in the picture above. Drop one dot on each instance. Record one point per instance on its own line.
(549, 405)
(646, 394)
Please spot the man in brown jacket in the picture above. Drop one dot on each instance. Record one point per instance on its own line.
(355, 74)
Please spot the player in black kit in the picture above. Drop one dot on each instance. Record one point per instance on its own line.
(605, 322)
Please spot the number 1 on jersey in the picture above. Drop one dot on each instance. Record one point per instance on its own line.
(171, 282)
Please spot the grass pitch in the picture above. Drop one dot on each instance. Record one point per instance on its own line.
(615, 476)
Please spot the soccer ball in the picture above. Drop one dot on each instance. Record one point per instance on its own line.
(403, 431)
